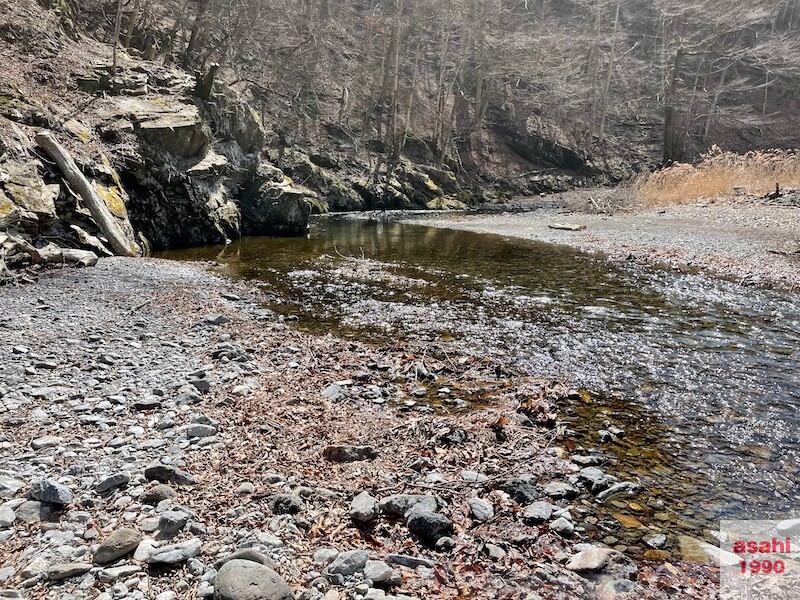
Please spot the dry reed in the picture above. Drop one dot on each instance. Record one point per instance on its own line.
(717, 175)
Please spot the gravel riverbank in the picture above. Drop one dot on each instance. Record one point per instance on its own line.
(163, 436)
(750, 243)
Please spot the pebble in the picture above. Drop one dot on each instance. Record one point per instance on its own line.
(172, 521)
(67, 570)
(378, 571)
(364, 508)
(7, 517)
(172, 554)
(597, 563)
(495, 552)
(118, 544)
(168, 474)
(482, 510)
(562, 527)
(325, 556)
(348, 563)
(115, 481)
(558, 489)
(537, 512)
(401, 504)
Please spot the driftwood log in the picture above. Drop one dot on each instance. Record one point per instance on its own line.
(106, 222)
(567, 227)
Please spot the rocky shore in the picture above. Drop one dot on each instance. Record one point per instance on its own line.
(164, 436)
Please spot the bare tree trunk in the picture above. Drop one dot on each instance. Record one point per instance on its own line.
(607, 89)
(132, 22)
(669, 108)
(714, 104)
(115, 41)
(106, 222)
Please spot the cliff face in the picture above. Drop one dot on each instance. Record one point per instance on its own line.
(176, 164)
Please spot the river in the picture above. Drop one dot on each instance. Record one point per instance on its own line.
(703, 375)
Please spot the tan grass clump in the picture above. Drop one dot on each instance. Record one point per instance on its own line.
(717, 174)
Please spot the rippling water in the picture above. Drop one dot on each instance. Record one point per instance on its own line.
(703, 374)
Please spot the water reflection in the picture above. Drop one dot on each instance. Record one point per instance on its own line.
(708, 373)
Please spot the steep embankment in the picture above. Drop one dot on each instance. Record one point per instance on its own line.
(176, 160)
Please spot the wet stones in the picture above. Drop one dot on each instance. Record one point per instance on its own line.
(364, 508)
(346, 453)
(52, 492)
(595, 479)
(118, 544)
(247, 580)
(627, 488)
(657, 540)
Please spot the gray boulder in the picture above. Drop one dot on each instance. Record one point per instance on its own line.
(52, 492)
(247, 580)
(270, 207)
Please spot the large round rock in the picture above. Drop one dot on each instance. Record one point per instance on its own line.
(247, 580)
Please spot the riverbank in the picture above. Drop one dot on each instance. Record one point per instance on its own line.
(751, 243)
(160, 405)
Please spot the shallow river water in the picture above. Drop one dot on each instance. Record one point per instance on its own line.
(702, 374)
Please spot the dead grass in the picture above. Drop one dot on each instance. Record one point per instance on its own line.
(718, 174)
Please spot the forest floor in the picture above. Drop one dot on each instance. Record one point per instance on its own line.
(263, 436)
(744, 240)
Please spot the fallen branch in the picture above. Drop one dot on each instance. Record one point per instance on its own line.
(567, 227)
(106, 222)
